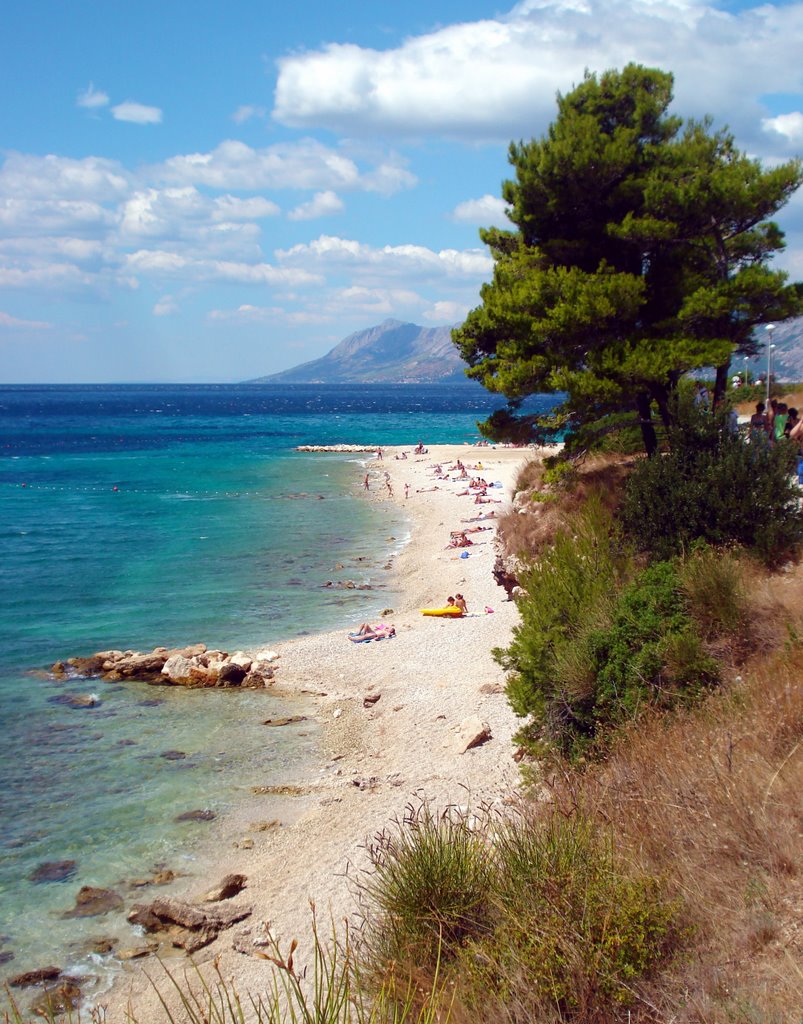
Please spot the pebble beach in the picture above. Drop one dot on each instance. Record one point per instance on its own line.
(395, 719)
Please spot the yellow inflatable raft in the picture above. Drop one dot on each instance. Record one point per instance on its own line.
(451, 611)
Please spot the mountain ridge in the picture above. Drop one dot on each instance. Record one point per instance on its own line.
(401, 352)
(393, 352)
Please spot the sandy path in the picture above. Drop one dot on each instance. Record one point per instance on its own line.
(431, 677)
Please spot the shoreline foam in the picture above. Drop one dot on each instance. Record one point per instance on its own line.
(375, 758)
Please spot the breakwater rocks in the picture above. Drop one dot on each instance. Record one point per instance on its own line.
(336, 448)
(194, 666)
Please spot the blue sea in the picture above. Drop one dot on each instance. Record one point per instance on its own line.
(137, 516)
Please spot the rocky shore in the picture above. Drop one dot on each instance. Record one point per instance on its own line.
(193, 666)
(420, 716)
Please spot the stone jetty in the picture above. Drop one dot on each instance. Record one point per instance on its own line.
(194, 666)
(348, 448)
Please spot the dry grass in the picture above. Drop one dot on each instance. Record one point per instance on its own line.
(711, 802)
(542, 510)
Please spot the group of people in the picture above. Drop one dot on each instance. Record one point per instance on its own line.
(773, 424)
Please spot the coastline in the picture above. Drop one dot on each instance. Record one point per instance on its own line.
(378, 757)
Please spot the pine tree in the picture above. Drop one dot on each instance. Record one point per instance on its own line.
(639, 253)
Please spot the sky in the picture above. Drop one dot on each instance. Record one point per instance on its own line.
(211, 192)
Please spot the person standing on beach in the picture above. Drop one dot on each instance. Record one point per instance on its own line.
(365, 483)
(406, 491)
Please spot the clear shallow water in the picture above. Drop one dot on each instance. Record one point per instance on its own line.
(137, 516)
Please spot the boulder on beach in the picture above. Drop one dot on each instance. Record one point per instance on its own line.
(187, 926)
(231, 674)
(226, 888)
(195, 666)
(472, 732)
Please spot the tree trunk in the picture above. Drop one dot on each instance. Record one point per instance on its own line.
(648, 435)
(721, 383)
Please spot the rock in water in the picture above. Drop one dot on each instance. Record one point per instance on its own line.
(205, 815)
(35, 977)
(53, 871)
(92, 902)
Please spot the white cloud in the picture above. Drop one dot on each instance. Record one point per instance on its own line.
(488, 211)
(497, 79)
(78, 250)
(136, 113)
(92, 98)
(407, 260)
(322, 204)
(788, 125)
(6, 320)
(246, 112)
(39, 217)
(58, 177)
(160, 263)
(166, 306)
(306, 164)
(245, 313)
(446, 312)
(58, 276)
(372, 301)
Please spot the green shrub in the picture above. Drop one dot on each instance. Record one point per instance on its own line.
(428, 890)
(575, 929)
(714, 589)
(713, 486)
(596, 643)
(560, 473)
(651, 654)
(568, 591)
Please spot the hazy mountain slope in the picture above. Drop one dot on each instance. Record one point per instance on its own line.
(391, 352)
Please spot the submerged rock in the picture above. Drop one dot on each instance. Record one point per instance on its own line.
(199, 815)
(35, 977)
(57, 999)
(92, 902)
(53, 871)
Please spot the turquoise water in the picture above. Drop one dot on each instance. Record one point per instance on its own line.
(135, 517)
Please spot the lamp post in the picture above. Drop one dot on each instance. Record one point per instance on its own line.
(769, 329)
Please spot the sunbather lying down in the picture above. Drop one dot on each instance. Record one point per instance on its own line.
(366, 632)
(459, 540)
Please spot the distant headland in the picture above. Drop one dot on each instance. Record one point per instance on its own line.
(392, 352)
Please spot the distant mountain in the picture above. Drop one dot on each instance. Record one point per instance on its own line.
(787, 358)
(390, 353)
(394, 352)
